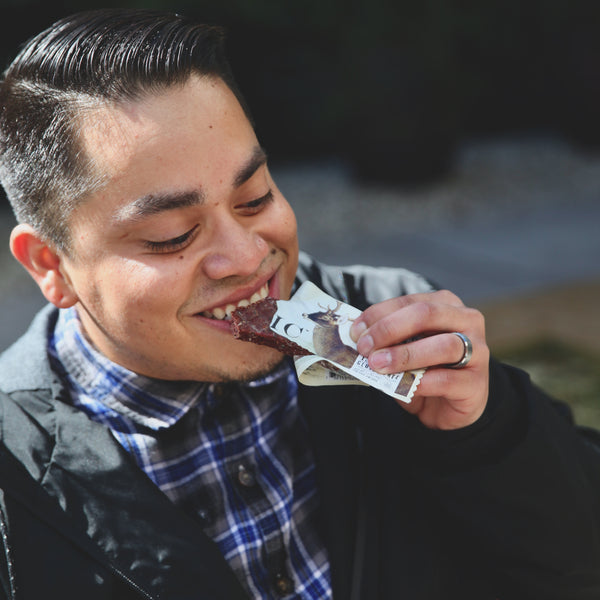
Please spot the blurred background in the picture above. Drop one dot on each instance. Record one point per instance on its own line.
(459, 139)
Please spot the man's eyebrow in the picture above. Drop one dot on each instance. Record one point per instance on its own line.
(257, 160)
(153, 204)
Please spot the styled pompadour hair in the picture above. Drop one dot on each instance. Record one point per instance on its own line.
(81, 62)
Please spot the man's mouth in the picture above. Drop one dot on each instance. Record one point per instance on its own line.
(221, 313)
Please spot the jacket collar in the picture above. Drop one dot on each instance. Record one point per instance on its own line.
(160, 548)
(25, 365)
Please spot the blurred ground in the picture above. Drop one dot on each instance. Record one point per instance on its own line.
(553, 334)
(514, 230)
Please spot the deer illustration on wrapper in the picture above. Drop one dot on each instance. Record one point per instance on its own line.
(326, 336)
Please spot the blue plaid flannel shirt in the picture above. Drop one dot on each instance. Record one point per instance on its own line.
(234, 456)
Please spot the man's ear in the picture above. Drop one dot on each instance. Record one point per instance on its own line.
(43, 264)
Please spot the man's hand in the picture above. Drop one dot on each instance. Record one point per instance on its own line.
(446, 398)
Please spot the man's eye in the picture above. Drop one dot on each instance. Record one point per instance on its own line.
(255, 206)
(174, 244)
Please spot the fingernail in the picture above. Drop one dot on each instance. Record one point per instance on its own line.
(357, 330)
(365, 345)
(380, 360)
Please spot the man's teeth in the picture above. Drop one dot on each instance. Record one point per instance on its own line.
(224, 312)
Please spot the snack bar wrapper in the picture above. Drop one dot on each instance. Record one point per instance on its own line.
(321, 324)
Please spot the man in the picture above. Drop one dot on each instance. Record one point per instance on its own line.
(148, 454)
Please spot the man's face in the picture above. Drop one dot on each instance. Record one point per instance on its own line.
(189, 225)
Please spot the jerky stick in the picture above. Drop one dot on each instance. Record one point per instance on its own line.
(252, 324)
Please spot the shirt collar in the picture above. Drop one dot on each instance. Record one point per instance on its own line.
(153, 403)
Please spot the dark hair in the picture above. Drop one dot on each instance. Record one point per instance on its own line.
(77, 64)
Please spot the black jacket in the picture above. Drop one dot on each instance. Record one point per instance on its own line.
(507, 508)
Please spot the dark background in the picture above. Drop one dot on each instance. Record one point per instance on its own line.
(393, 87)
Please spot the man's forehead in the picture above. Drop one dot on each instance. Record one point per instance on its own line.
(110, 134)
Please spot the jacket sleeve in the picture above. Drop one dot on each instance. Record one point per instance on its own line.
(523, 486)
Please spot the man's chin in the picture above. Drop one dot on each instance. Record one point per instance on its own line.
(255, 362)
(256, 368)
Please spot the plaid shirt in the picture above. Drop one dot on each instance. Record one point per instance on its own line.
(231, 455)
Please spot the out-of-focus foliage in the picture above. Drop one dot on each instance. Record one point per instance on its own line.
(392, 86)
(566, 372)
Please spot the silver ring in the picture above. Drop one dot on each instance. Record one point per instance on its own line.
(468, 353)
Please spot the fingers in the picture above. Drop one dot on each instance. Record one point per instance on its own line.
(375, 311)
(426, 320)
(436, 350)
(453, 384)
(415, 332)
(416, 309)
(450, 399)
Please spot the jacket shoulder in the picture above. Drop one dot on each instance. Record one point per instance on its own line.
(361, 285)
(25, 364)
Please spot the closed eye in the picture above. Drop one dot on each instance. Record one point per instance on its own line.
(174, 244)
(255, 206)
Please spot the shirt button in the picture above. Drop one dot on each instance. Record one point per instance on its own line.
(246, 477)
(204, 516)
(283, 584)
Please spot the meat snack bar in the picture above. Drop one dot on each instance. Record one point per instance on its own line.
(313, 327)
(252, 324)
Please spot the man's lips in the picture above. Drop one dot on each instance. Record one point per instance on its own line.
(224, 311)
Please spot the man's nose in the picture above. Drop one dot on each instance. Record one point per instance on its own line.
(235, 250)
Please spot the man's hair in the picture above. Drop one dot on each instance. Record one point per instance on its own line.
(84, 61)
